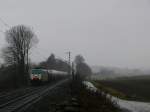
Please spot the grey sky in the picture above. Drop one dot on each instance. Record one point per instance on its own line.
(105, 32)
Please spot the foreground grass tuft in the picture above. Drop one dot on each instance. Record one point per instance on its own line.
(96, 102)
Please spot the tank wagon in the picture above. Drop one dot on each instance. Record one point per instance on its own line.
(39, 76)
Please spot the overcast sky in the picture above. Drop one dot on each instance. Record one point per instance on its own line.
(105, 32)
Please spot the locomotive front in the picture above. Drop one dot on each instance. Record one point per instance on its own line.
(36, 75)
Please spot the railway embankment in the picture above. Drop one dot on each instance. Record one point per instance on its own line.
(74, 97)
(125, 105)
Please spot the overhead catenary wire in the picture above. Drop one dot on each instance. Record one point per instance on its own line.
(5, 24)
(38, 53)
(44, 52)
(58, 57)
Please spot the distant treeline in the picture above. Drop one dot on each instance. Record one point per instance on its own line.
(80, 66)
(9, 78)
(53, 63)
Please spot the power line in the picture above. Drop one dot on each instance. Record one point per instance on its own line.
(4, 22)
(57, 57)
(37, 52)
(46, 51)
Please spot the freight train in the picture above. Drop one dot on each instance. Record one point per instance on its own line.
(41, 76)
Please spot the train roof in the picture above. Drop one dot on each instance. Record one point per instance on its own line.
(49, 70)
(57, 72)
(36, 71)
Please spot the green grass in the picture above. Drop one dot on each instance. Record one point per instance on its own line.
(131, 88)
(109, 90)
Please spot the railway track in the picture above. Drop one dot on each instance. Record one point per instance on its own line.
(14, 94)
(5, 94)
(21, 103)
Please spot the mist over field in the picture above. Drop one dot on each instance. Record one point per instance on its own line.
(101, 72)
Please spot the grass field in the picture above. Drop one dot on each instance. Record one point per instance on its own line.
(131, 88)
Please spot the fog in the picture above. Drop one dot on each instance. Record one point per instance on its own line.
(105, 32)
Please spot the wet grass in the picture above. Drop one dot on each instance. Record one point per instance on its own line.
(131, 88)
(109, 90)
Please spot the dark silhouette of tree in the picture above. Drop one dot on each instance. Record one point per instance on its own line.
(61, 65)
(54, 63)
(20, 39)
(79, 59)
(7, 77)
(81, 67)
(51, 62)
(106, 71)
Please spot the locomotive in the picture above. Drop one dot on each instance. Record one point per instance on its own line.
(40, 76)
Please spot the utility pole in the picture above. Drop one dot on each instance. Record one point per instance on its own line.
(69, 72)
(73, 71)
(69, 62)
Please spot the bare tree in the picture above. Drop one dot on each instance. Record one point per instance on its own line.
(82, 68)
(79, 59)
(20, 39)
